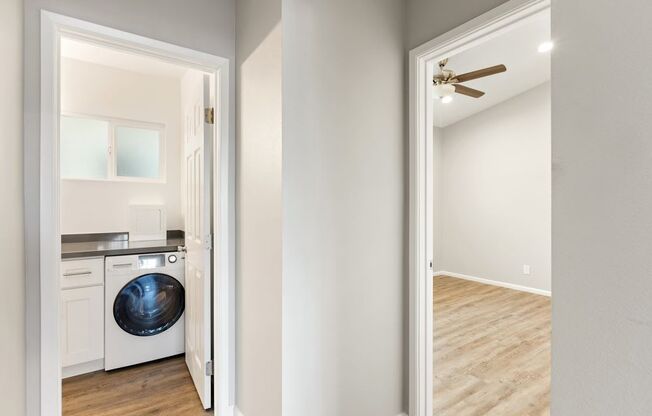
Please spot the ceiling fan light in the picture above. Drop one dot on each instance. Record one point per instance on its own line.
(447, 99)
(546, 47)
(443, 90)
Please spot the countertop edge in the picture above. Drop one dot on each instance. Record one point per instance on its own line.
(117, 252)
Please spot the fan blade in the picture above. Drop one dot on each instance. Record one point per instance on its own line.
(492, 70)
(461, 89)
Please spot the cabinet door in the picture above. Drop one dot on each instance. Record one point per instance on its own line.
(82, 325)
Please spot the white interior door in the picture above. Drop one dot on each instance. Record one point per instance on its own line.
(198, 209)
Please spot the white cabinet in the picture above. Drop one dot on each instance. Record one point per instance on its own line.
(82, 316)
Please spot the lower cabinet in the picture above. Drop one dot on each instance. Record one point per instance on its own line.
(82, 329)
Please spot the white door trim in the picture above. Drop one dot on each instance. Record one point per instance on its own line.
(47, 387)
(422, 61)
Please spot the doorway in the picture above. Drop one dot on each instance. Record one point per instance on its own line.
(168, 251)
(445, 264)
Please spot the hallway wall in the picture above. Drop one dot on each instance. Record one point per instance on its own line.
(259, 211)
(602, 211)
(12, 279)
(427, 19)
(344, 280)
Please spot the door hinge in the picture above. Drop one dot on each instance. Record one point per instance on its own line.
(209, 115)
(209, 368)
(208, 242)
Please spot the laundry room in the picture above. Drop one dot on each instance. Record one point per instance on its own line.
(136, 226)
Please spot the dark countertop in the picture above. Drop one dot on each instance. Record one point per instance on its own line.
(116, 247)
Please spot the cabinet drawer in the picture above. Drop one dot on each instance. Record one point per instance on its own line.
(82, 272)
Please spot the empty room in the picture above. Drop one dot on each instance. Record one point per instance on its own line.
(492, 225)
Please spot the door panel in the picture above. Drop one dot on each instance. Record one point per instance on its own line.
(198, 222)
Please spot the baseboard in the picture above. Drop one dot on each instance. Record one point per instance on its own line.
(493, 282)
(239, 413)
(83, 368)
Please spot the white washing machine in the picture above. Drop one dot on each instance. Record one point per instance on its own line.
(144, 301)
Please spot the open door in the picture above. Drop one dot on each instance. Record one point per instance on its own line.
(198, 158)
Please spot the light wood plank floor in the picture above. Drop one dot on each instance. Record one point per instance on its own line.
(160, 388)
(491, 350)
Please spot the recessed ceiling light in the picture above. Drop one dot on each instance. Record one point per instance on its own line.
(546, 47)
(447, 99)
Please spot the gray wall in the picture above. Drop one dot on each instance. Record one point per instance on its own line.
(602, 210)
(427, 19)
(343, 208)
(258, 51)
(205, 25)
(12, 307)
(494, 191)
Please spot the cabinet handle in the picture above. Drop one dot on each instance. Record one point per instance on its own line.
(76, 273)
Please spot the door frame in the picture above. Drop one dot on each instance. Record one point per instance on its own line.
(47, 388)
(422, 62)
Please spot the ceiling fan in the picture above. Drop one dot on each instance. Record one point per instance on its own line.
(447, 82)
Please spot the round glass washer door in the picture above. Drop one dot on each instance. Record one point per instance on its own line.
(149, 304)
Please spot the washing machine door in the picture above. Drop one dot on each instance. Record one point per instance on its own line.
(149, 304)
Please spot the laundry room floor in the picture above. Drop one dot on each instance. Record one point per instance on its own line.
(162, 387)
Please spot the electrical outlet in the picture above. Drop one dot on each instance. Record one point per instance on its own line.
(526, 269)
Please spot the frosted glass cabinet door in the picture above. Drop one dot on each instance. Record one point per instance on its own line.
(138, 152)
(84, 148)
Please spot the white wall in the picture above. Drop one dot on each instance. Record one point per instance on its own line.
(344, 280)
(602, 210)
(12, 279)
(204, 25)
(493, 201)
(92, 89)
(258, 264)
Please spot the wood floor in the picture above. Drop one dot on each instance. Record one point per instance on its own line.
(159, 388)
(491, 357)
(491, 350)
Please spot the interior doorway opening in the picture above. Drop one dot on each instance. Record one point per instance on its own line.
(136, 205)
(481, 214)
(136, 244)
(492, 225)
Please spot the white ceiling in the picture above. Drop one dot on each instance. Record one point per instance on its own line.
(89, 52)
(526, 68)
